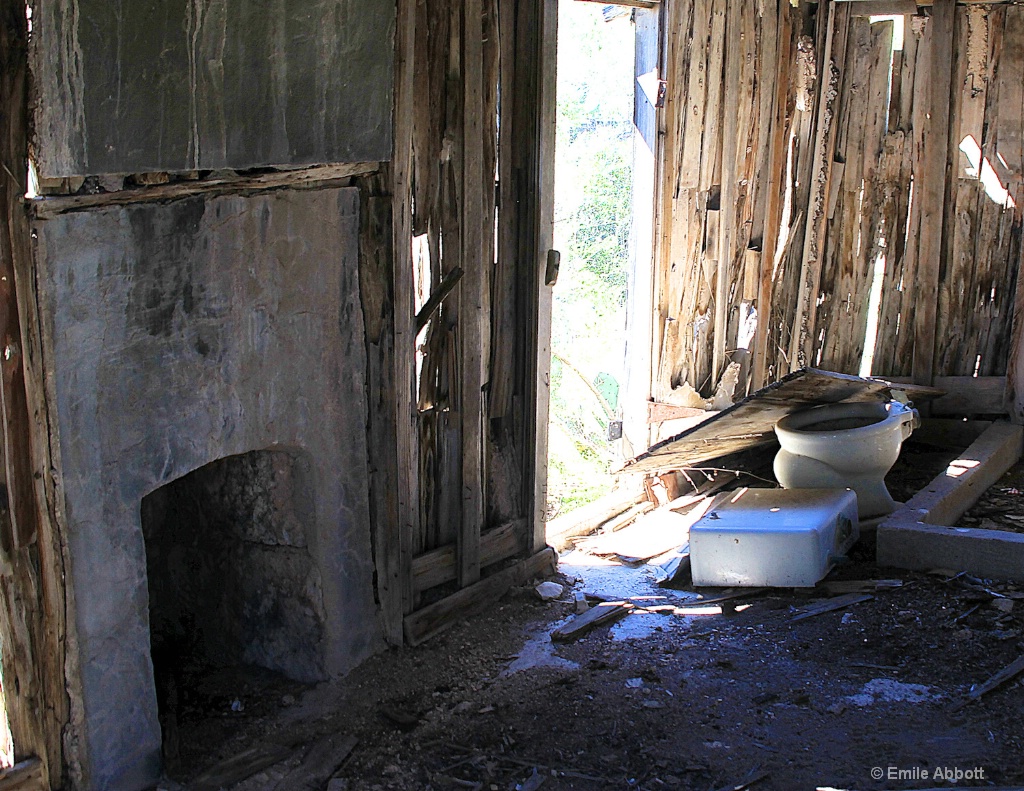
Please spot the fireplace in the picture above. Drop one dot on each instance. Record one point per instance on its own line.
(208, 371)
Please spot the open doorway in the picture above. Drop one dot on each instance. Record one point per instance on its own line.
(602, 228)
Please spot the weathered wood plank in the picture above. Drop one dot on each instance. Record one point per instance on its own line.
(319, 764)
(950, 494)
(376, 279)
(780, 127)
(993, 554)
(856, 237)
(600, 614)
(803, 338)
(241, 766)
(731, 108)
(933, 191)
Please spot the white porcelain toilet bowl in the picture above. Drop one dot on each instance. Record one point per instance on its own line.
(845, 446)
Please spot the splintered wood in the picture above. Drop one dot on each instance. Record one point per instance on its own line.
(816, 193)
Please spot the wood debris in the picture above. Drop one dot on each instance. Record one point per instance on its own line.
(838, 603)
(599, 615)
(1008, 673)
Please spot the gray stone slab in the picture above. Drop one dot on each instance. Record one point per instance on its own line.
(177, 335)
(129, 86)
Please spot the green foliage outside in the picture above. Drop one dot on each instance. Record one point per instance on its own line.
(593, 206)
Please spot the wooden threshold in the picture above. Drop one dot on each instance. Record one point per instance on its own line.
(439, 566)
(435, 618)
(918, 536)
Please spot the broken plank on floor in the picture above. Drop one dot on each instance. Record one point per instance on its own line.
(1008, 673)
(728, 595)
(598, 615)
(838, 603)
(836, 587)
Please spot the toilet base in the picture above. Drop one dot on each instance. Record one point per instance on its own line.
(802, 472)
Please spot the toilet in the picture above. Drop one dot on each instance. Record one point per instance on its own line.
(851, 445)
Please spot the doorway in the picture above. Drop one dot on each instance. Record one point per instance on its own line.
(603, 214)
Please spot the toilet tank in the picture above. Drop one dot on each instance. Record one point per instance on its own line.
(773, 537)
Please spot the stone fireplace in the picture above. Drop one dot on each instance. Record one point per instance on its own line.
(207, 374)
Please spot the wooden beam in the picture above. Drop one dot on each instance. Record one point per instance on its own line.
(1015, 364)
(438, 566)
(992, 554)
(376, 262)
(313, 177)
(432, 620)
(933, 191)
(406, 418)
(918, 535)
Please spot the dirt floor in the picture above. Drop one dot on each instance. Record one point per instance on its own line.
(864, 697)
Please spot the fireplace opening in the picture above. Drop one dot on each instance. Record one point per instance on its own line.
(235, 604)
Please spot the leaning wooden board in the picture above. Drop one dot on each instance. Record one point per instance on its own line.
(752, 421)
